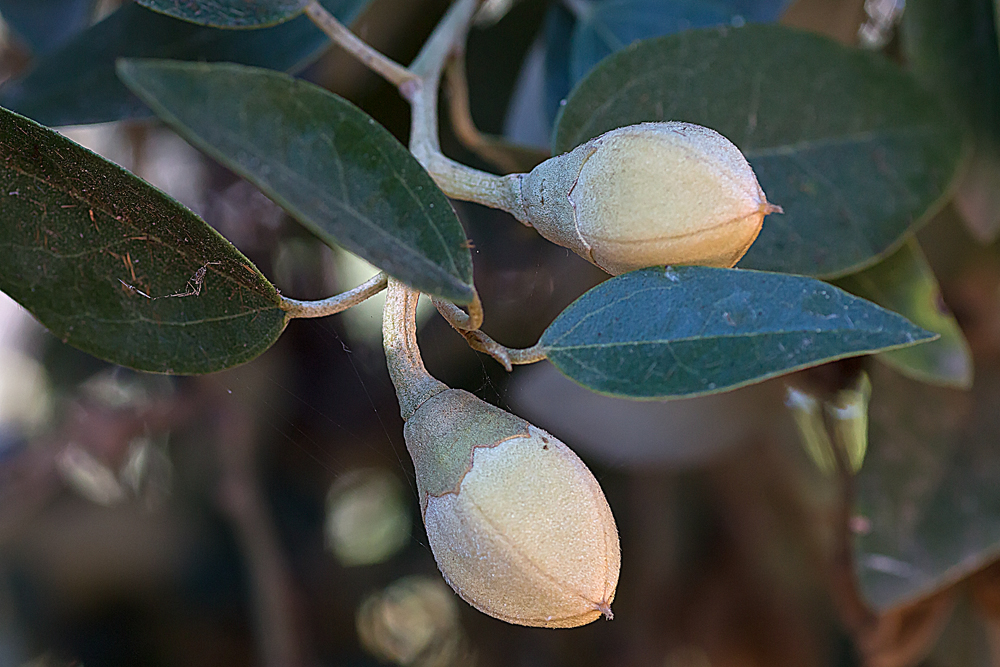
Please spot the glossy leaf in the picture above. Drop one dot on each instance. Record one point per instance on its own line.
(325, 161)
(852, 148)
(45, 24)
(928, 502)
(694, 330)
(228, 13)
(111, 265)
(951, 46)
(77, 84)
(904, 283)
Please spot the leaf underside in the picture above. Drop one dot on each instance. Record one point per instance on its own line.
(687, 331)
(80, 238)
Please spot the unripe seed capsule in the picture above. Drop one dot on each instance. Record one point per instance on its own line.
(518, 525)
(648, 194)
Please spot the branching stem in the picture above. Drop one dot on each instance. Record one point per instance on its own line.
(335, 304)
(385, 67)
(458, 319)
(419, 84)
(508, 357)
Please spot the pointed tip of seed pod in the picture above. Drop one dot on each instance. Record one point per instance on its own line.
(605, 609)
(768, 208)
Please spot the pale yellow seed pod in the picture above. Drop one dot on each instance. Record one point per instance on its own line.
(648, 194)
(518, 525)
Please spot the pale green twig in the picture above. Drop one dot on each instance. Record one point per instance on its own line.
(335, 304)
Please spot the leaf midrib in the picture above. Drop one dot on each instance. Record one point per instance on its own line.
(713, 337)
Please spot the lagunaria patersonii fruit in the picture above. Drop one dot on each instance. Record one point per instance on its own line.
(517, 523)
(647, 194)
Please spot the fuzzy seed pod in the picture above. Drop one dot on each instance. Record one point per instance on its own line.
(518, 525)
(647, 194)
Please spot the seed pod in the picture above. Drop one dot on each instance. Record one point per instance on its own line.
(648, 194)
(518, 525)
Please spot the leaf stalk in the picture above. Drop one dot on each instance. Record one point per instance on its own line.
(335, 304)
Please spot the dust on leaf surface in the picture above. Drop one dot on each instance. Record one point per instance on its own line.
(111, 265)
(687, 331)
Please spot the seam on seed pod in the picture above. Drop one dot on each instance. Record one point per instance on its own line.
(598, 495)
(766, 208)
(609, 596)
(489, 606)
(569, 198)
(437, 390)
(598, 606)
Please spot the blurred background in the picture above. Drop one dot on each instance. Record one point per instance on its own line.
(267, 515)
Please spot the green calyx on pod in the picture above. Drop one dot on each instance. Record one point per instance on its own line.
(646, 195)
(517, 523)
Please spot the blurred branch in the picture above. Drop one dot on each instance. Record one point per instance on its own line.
(280, 635)
(858, 619)
(505, 156)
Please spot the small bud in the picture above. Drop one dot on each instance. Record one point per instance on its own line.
(517, 523)
(648, 194)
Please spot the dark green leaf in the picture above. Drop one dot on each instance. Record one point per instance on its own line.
(228, 13)
(695, 330)
(904, 283)
(614, 24)
(854, 150)
(77, 84)
(45, 24)
(80, 238)
(573, 48)
(951, 46)
(928, 500)
(322, 159)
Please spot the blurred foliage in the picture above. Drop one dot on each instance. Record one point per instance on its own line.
(197, 521)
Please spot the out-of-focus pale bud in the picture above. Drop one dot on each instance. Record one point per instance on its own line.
(517, 523)
(648, 194)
